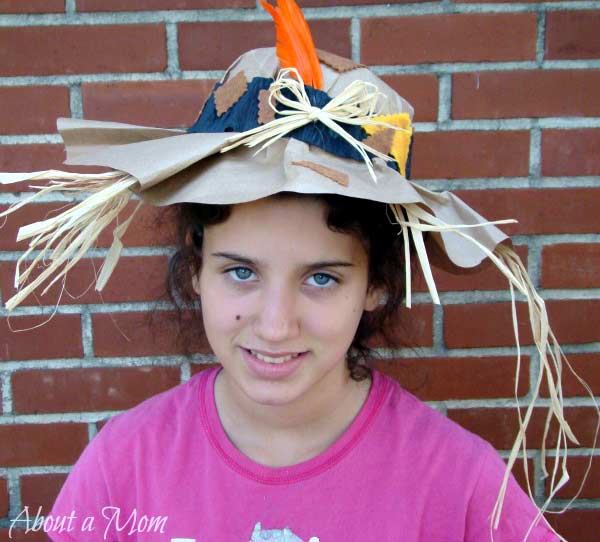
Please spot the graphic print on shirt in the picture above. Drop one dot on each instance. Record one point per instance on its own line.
(277, 535)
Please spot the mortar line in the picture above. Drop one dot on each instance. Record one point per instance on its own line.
(355, 37)
(535, 156)
(71, 16)
(76, 100)
(541, 35)
(7, 402)
(173, 68)
(70, 7)
(14, 493)
(444, 99)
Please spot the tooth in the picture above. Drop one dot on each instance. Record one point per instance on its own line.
(269, 359)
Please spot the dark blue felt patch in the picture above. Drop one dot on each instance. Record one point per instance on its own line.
(243, 116)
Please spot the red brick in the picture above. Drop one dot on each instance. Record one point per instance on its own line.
(411, 327)
(142, 334)
(571, 152)
(439, 379)
(202, 45)
(25, 215)
(575, 321)
(25, 158)
(500, 426)
(49, 50)
(576, 525)
(39, 6)
(485, 276)
(42, 444)
(519, 474)
(539, 211)
(577, 467)
(587, 366)
(170, 104)
(490, 324)
(199, 367)
(151, 226)
(83, 390)
(140, 5)
(421, 91)
(36, 157)
(42, 104)
(530, 93)
(571, 266)
(484, 325)
(16, 535)
(44, 342)
(458, 154)
(572, 34)
(448, 38)
(4, 500)
(41, 490)
(149, 272)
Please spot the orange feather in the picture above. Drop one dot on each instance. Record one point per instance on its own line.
(295, 46)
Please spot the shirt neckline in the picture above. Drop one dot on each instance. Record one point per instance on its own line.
(258, 472)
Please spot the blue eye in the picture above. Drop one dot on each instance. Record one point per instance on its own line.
(240, 274)
(243, 274)
(322, 279)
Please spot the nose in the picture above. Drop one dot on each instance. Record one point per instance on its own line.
(277, 319)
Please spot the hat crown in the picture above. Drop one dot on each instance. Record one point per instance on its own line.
(338, 73)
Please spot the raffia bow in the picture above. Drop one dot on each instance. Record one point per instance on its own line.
(356, 104)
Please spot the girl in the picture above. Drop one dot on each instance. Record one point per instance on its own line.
(292, 437)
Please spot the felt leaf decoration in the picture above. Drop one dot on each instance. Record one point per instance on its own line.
(295, 46)
(230, 92)
(338, 176)
(338, 63)
(265, 112)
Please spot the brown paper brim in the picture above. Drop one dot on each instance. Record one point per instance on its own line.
(174, 166)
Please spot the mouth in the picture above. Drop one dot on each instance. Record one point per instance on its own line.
(274, 358)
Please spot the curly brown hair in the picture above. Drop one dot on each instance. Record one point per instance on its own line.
(368, 220)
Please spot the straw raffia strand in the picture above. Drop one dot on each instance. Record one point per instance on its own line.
(71, 233)
(356, 104)
(551, 355)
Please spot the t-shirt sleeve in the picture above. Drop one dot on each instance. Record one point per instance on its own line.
(518, 511)
(84, 497)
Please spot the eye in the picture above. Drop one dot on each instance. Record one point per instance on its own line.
(240, 274)
(323, 279)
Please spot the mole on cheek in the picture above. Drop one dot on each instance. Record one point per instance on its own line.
(237, 317)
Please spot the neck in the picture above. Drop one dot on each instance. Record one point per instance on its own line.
(289, 433)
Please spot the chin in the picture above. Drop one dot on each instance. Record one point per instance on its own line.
(271, 394)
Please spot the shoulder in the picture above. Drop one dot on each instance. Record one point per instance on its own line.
(425, 427)
(160, 415)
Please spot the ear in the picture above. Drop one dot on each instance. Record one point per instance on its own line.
(374, 296)
(195, 282)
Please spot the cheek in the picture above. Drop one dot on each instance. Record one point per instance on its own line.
(221, 312)
(336, 321)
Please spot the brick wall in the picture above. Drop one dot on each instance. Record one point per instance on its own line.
(507, 115)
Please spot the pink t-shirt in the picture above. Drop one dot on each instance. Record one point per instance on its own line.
(166, 470)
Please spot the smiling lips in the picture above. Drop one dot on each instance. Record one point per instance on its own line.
(274, 358)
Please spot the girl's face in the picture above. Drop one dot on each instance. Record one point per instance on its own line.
(277, 282)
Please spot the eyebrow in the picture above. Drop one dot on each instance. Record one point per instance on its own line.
(250, 261)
